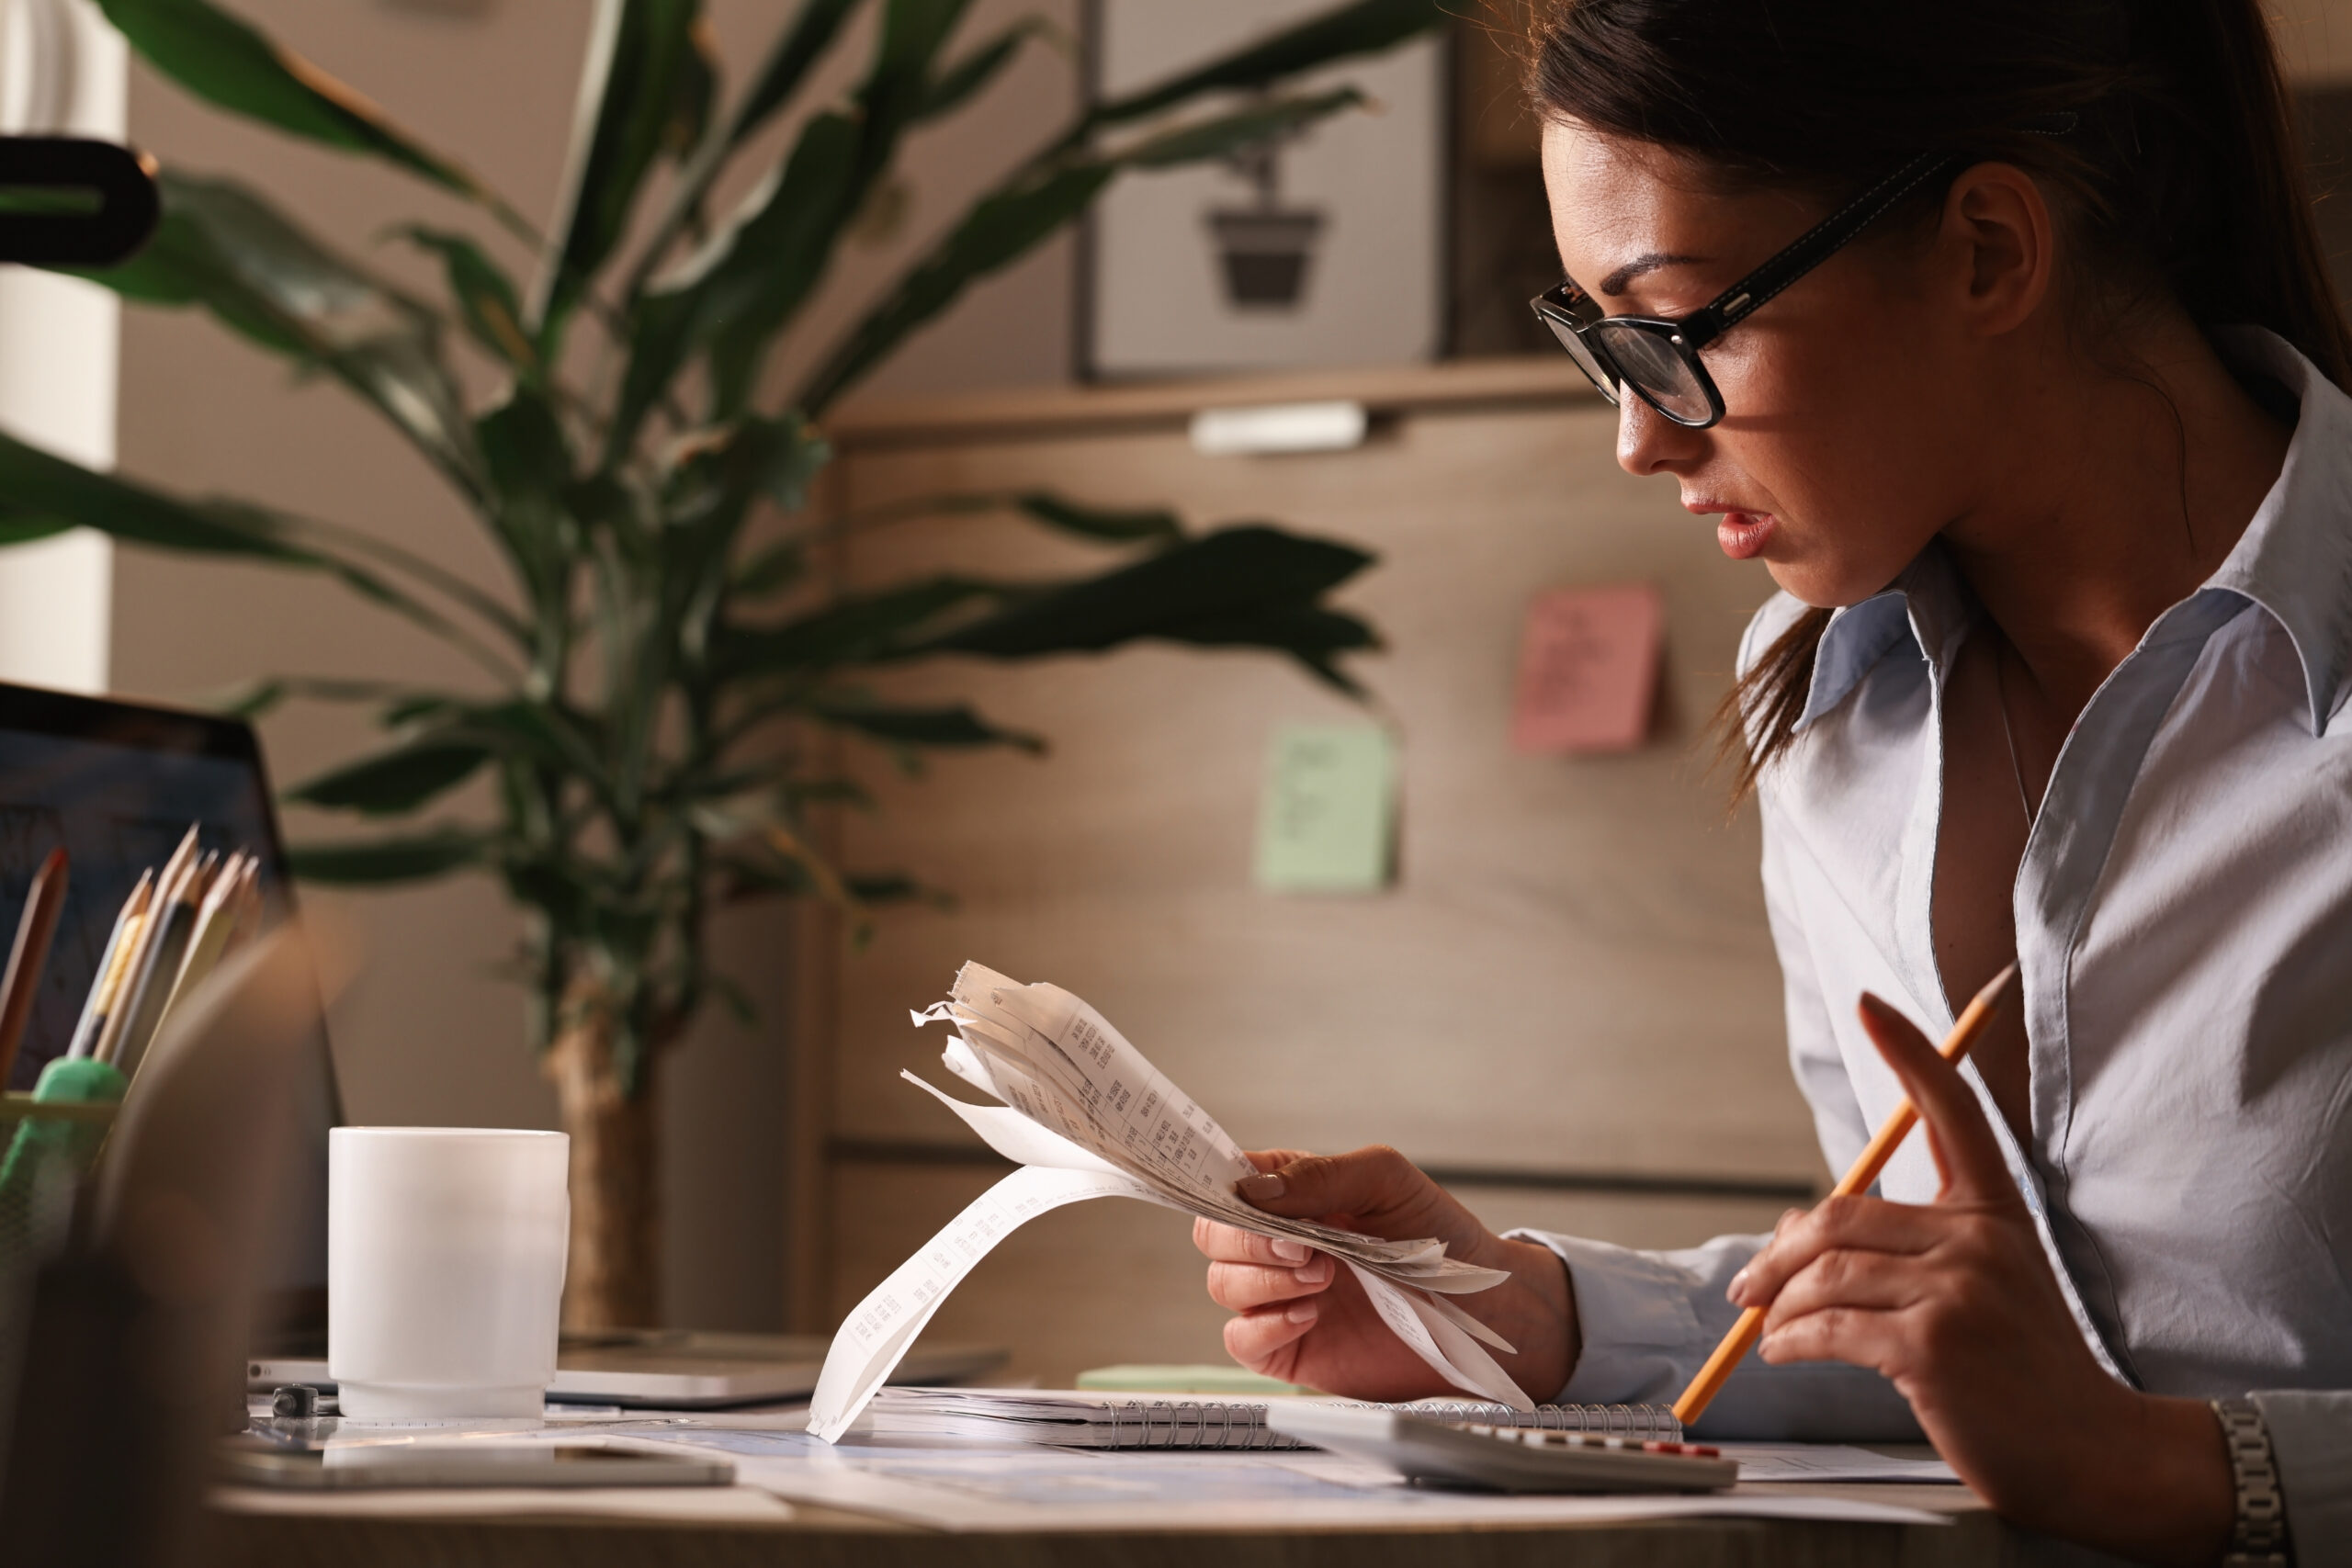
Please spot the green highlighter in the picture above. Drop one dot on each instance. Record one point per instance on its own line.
(49, 1148)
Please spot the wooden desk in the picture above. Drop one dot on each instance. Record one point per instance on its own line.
(815, 1538)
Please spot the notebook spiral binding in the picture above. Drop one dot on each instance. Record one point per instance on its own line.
(1192, 1424)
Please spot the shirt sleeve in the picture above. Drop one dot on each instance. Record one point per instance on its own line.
(2311, 1438)
(1649, 1320)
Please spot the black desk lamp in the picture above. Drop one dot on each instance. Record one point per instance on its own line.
(66, 202)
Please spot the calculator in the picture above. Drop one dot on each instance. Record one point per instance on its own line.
(1500, 1458)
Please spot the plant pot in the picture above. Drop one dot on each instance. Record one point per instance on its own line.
(1265, 254)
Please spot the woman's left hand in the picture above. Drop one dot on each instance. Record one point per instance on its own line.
(1954, 1302)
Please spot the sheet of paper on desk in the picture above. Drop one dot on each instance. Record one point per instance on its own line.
(1776, 1463)
(1086, 1116)
(959, 1489)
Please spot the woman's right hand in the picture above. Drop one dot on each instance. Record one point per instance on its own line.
(1301, 1316)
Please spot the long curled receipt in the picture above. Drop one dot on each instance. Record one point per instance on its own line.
(1086, 1116)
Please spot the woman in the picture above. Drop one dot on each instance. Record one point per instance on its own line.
(2042, 435)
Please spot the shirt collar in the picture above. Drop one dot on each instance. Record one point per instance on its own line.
(2294, 560)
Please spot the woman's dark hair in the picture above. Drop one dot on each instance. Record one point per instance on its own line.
(2183, 176)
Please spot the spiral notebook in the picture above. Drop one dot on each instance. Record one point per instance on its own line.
(1081, 1418)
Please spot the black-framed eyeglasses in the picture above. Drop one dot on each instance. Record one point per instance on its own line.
(1659, 358)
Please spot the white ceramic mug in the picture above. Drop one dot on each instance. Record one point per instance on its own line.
(445, 1269)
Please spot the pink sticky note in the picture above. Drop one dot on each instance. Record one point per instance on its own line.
(1587, 670)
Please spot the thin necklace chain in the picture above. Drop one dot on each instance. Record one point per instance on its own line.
(2001, 695)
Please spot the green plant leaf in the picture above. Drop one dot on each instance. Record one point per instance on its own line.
(1367, 26)
(894, 887)
(798, 49)
(967, 78)
(771, 570)
(645, 66)
(485, 296)
(1248, 586)
(1012, 220)
(253, 699)
(754, 275)
(529, 467)
(413, 858)
(42, 494)
(1153, 524)
(393, 782)
(999, 230)
(1230, 133)
(855, 630)
(953, 725)
(765, 259)
(226, 248)
(227, 62)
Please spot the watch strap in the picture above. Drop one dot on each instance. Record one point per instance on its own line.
(2259, 1537)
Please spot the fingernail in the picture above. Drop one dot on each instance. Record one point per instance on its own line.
(1737, 1291)
(1292, 1251)
(1303, 1312)
(1314, 1273)
(1258, 1189)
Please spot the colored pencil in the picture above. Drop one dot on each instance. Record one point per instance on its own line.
(216, 919)
(159, 965)
(44, 901)
(105, 999)
(1866, 1170)
(141, 943)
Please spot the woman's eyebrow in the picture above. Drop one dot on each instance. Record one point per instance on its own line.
(1615, 282)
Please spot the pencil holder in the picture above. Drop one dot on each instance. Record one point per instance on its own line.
(52, 1135)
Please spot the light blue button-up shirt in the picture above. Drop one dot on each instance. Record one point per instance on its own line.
(2184, 919)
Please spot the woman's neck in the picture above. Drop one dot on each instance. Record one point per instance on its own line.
(2132, 491)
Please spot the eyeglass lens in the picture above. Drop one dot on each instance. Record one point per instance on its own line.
(1654, 365)
(1594, 370)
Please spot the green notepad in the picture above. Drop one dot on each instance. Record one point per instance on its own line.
(1329, 818)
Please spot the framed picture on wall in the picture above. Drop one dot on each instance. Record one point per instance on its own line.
(1325, 247)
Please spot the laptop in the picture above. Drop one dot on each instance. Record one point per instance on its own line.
(117, 784)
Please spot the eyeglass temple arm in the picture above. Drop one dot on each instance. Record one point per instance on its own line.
(1811, 248)
(1819, 243)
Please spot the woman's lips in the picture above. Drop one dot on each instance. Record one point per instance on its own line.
(1744, 534)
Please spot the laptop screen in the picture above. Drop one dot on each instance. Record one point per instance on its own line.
(117, 785)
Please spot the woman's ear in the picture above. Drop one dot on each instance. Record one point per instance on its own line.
(1994, 215)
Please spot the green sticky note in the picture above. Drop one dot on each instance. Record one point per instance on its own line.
(1329, 817)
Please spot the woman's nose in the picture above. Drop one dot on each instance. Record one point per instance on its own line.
(1649, 443)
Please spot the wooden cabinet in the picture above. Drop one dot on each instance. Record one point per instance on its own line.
(1568, 1000)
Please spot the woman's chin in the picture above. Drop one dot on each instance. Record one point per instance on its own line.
(1825, 585)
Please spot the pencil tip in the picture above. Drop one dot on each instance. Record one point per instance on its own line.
(1998, 986)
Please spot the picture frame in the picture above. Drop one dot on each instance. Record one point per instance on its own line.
(1326, 249)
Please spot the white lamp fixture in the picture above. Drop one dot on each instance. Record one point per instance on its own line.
(63, 72)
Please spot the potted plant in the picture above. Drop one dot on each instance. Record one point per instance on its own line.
(664, 643)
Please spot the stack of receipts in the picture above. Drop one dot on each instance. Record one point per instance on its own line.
(1087, 1116)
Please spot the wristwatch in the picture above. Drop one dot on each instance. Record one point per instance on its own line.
(2259, 1541)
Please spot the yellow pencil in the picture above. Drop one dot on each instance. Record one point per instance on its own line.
(126, 931)
(1750, 1326)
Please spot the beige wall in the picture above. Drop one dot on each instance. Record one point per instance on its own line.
(429, 1035)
